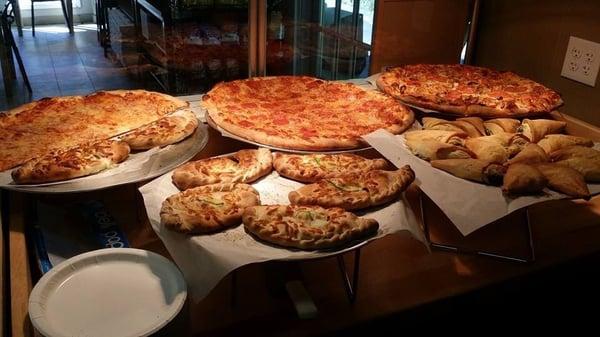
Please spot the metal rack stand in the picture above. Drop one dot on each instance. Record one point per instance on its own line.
(466, 250)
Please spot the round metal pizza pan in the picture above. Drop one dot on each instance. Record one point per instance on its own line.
(228, 134)
(158, 163)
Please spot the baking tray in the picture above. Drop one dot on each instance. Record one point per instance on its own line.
(158, 163)
(225, 133)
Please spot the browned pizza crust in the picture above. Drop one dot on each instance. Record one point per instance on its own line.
(468, 90)
(71, 163)
(165, 131)
(306, 227)
(207, 209)
(244, 166)
(314, 167)
(355, 191)
(303, 113)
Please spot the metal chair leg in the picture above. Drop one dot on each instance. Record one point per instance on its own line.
(32, 19)
(64, 10)
(14, 48)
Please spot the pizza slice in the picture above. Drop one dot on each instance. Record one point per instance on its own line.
(71, 163)
(207, 209)
(243, 167)
(355, 191)
(165, 131)
(306, 227)
(314, 167)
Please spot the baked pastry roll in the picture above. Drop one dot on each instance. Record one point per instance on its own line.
(355, 191)
(244, 166)
(207, 209)
(514, 142)
(473, 126)
(531, 154)
(434, 150)
(536, 129)
(583, 159)
(551, 143)
(432, 123)
(306, 227)
(489, 148)
(314, 167)
(472, 169)
(444, 136)
(501, 125)
(523, 179)
(564, 179)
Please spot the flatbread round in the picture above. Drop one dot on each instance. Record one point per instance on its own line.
(314, 167)
(207, 209)
(306, 227)
(165, 131)
(244, 166)
(303, 113)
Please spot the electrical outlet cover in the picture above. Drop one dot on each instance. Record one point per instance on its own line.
(582, 61)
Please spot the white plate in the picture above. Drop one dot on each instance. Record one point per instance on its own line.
(117, 292)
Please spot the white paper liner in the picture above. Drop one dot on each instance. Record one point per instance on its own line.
(469, 205)
(206, 259)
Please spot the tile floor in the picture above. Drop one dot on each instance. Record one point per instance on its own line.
(58, 63)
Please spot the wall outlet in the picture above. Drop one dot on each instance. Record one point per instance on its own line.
(582, 61)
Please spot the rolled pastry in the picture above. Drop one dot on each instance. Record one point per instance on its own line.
(489, 148)
(431, 123)
(472, 169)
(551, 143)
(565, 180)
(531, 154)
(583, 159)
(514, 142)
(523, 179)
(499, 125)
(433, 150)
(473, 126)
(536, 129)
(444, 136)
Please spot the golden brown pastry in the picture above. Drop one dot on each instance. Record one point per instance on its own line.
(564, 179)
(523, 179)
(531, 154)
(514, 142)
(473, 126)
(444, 136)
(583, 159)
(501, 125)
(434, 150)
(355, 191)
(432, 123)
(536, 129)
(472, 169)
(551, 143)
(488, 148)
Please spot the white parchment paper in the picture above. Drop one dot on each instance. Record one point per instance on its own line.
(467, 204)
(206, 259)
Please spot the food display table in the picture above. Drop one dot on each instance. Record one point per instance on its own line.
(397, 272)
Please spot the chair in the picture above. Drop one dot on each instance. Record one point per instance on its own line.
(62, 5)
(8, 47)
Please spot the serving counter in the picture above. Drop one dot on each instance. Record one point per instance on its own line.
(397, 273)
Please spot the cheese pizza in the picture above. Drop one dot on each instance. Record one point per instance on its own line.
(303, 113)
(36, 128)
(468, 90)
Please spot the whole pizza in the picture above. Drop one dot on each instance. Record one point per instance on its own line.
(49, 124)
(303, 113)
(468, 90)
